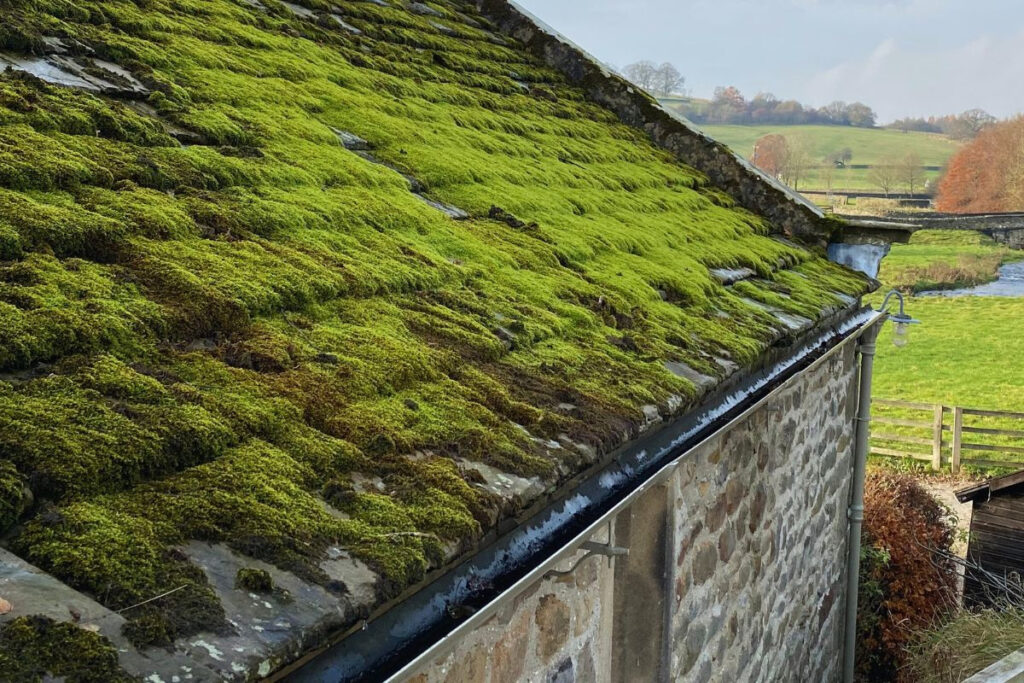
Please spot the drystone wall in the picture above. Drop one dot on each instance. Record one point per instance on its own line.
(735, 572)
(1013, 238)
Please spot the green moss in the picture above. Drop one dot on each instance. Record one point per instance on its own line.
(206, 341)
(123, 559)
(36, 648)
(12, 495)
(255, 580)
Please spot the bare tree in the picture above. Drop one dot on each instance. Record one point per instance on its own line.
(885, 175)
(797, 161)
(642, 73)
(827, 175)
(911, 172)
(668, 80)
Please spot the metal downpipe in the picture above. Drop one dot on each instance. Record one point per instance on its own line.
(855, 514)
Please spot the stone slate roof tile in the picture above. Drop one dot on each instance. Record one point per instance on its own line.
(234, 337)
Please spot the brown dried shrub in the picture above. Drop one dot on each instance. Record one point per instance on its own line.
(905, 585)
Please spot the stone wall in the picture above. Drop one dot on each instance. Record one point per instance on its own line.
(558, 630)
(736, 565)
(1011, 237)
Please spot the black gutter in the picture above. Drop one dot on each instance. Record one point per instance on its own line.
(413, 626)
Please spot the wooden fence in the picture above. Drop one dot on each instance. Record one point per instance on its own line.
(950, 435)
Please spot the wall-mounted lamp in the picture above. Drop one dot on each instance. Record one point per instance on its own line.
(901, 320)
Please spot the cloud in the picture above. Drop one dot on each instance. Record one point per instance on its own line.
(899, 80)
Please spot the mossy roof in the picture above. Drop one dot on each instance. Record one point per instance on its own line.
(300, 277)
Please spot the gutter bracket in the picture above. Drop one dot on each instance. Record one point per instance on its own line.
(594, 549)
(606, 549)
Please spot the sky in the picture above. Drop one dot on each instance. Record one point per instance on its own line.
(900, 57)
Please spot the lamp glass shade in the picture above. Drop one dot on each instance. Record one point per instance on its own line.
(899, 334)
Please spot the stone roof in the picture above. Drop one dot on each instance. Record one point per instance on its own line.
(298, 302)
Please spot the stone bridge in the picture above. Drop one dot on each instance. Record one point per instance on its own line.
(1005, 228)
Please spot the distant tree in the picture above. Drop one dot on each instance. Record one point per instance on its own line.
(762, 108)
(964, 126)
(641, 73)
(915, 124)
(885, 175)
(764, 100)
(1014, 174)
(987, 174)
(839, 158)
(836, 113)
(667, 80)
(827, 175)
(797, 162)
(771, 153)
(861, 115)
(911, 172)
(728, 105)
(790, 111)
(730, 95)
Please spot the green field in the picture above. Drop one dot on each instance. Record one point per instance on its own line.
(963, 352)
(870, 146)
(966, 351)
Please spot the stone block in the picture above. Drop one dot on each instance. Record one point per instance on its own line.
(716, 514)
(469, 668)
(705, 562)
(563, 673)
(586, 668)
(734, 492)
(552, 619)
(510, 651)
(693, 645)
(726, 544)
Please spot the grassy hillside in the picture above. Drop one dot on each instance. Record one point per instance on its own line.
(870, 146)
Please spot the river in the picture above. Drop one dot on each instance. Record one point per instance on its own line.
(1010, 283)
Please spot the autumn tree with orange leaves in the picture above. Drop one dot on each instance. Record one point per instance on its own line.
(987, 175)
(771, 154)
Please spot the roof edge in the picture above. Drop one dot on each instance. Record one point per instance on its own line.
(790, 212)
(989, 486)
(426, 614)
